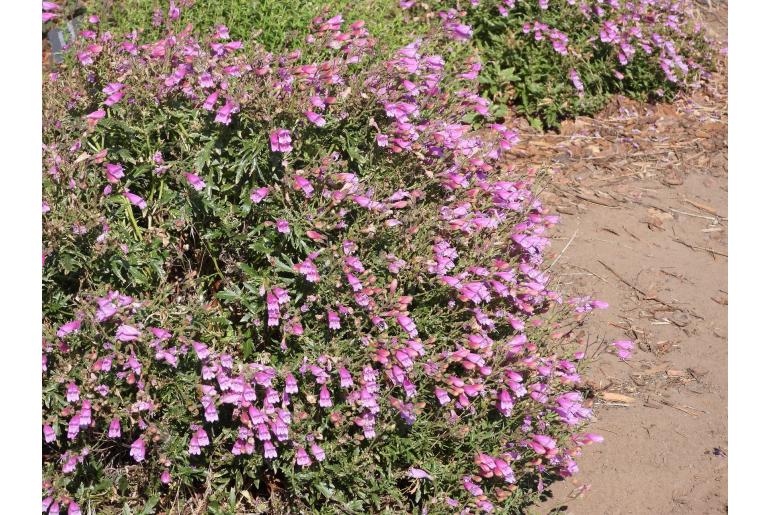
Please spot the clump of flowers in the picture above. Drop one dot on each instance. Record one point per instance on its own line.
(260, 301)
(561, 58)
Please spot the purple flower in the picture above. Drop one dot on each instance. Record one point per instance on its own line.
(127, 333)
(73, 428)
(73, 508)
(49, 433)
(419, 473)
(135, 200)
(165, 477)
(282, 226)
(114, 98)
(202, 437)
(224, 113)
(318, 452)
(259, 194)
(315, 119)
(137, 450)
(195, 181)
(68, 328)
(73, 392)
(208, 104)
(346, 381)
(302, 459)
(201, 350)
(114, 172)
(441, 395)
(459, 31)
(94, 117)
(270, 451)
(575, 78)
(85, 413)
(114, 430)
(624, 348)
(280, 141)
(324, 398)
(291, 384)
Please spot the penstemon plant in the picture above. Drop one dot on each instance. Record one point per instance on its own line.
(300, 281)
(554, 59)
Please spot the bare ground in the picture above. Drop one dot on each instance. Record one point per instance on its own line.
(643, 195)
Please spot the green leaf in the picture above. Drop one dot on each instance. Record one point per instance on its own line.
(149, 506)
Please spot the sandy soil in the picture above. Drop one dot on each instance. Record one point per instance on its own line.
(643, 195)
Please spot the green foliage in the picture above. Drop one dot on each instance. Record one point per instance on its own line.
(276, 24)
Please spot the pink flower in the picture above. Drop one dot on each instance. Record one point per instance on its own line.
(127, 333)
(441, 395)
(318, 452)
(315, 118)
(324, 398)
(334, 319)
(280, 141)
(137, 450)
(73, 392)
(49, 433)
(68, 328)
(114, 172)
(135, 200)
(225, 112)
(459, 31)
(419, 473)
(195, 181)
(589, 438)
(114, 430)
(73, 508)
(259, 194)
(200, 350)
(291, 384)
(302, 459)
(282, 226)
(575, 78)
(73, 428)
(624, 348)
(93, 118)
(202, 437)
(165, 477)
(208, 104)
(346, 381)
(113, 99)
(270, 451)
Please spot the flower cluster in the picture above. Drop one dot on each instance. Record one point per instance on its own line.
(293, 267)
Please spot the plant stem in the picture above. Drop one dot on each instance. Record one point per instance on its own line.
(130, 214)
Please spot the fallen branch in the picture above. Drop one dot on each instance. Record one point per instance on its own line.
(696, 247)
(646, 295)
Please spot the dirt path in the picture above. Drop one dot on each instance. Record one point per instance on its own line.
(643, 195)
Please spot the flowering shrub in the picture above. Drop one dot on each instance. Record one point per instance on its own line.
(293, 280)
(561, 58)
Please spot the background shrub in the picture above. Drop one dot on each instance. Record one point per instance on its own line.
(296, 280)
(547, 59)
(556, 59)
